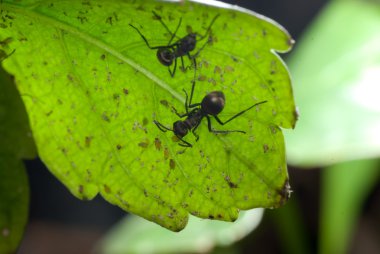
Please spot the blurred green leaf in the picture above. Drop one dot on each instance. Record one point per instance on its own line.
(15, 143)
(290, 224)
(134, 235)
(344, 189)
(15, 133)
(336, 72)
(92, 90)
(14, 202)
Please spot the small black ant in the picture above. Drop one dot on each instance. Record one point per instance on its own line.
(211, 105)
(183, 46)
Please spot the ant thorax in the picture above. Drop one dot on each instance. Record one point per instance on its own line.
(186, 45)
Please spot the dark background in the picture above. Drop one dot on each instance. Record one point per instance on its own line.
(60, 223)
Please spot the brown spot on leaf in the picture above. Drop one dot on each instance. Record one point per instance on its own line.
(172, 164)
(87, 141)
(202, 78)
(107, 189)
(157, 143)
(229, 69)
(164, 102)
(105, 117)
(166, 153)
(217, 70)
(145, 121)
(266, 148)
(144, 144)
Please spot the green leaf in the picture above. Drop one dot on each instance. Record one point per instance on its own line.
(15, 133)
(345, 187)
(336, 71)
(92, 89)
(134, 235)
(14, 202)
(16, 143)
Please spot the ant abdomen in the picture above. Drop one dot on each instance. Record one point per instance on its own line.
(213, 103)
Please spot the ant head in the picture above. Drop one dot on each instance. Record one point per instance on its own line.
(165, 56)
(213, 103)
(180, 129)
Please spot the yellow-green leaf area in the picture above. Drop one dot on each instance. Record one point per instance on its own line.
(93, 88)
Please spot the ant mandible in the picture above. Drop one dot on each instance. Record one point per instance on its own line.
(212, 104)
(183, 46)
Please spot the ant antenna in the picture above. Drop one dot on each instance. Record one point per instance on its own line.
(209, 27)
(159, 18)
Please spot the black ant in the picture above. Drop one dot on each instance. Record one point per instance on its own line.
(183, 46)
(211, 105)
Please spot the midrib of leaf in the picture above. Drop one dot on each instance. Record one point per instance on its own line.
(31, 12)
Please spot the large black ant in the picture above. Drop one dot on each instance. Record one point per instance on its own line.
(183, 46)
(212, 104)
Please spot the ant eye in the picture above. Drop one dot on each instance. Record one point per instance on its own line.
(165, 56)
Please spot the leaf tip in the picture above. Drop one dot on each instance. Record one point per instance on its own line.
(291, 42)
(284, 193)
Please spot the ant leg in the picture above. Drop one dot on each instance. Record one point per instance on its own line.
(194, 129)
(238, 114)
(197, 53)
(192, 59)
(210, 129)
(183, 68)
(162, 127)
(196, 136)
(192, 92)
(146, 41)
(186, 107)
(185, 143)
(172, 73)
(178, 114)
(175, 32)
(159, 18)
(209, 27)
(6, 56)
